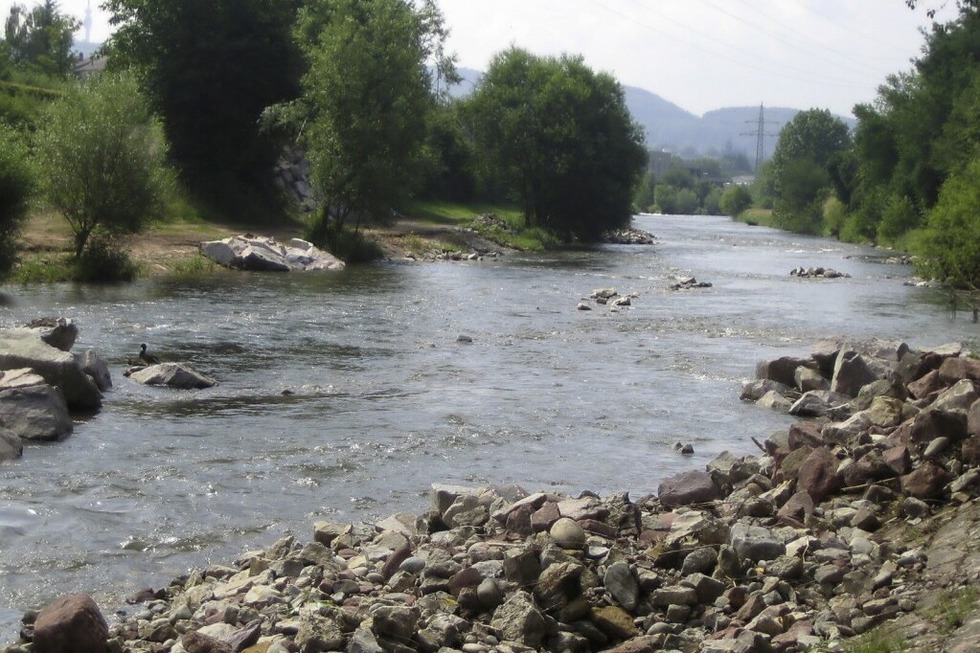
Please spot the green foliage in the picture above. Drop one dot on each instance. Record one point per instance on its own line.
(349, 245)
(734, 200)
(368, 96)
(16, 189)
(711, 204)
(41, 39)
(103, 261)
(561, 139)
(806, 167)
(949, 247)
(834, 214)
(899, 217)
(210, 69)
(101, 159)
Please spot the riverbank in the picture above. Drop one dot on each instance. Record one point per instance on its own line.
(855, 529)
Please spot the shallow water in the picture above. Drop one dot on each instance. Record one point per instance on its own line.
(386, 401)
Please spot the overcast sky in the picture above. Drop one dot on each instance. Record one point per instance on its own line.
(698, 54)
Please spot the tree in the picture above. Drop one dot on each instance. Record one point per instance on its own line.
(16, 189)
(101, 158)
(805, 164)
(950, 245)
(210, 69)
(561, 137)
(368, 97)
(734, 200)
(41, 38)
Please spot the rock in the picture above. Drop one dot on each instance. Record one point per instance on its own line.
(955, 369)
(11, 446)
(926, 482)
(97, 369)
(688, 488)
(568, 534)
(816, 403)
(959, 397)
(808, 379)
(931, 424)
(851, 372)
(775, 401)
(35, 412)
(23, 348)
(783, 370)
(798, 508)
(755, 543)
(264, 254)
(519, 620)
(71, 624)
(173, 375)
(621, 584)
(59, 332)
(701, 560)
(674, 595)
(818, 474)
(755, 390)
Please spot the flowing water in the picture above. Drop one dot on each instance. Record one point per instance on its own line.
(386, 401)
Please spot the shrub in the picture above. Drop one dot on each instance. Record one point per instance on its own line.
(101, 157)
(103, 262)
(16, 189)
(349, 245)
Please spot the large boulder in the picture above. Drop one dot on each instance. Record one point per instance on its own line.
(35, 412)
(264, 254)
(173, 375)
(24, 348)
(852, 371)
(11, 446)
(71, 624)
(687, 488)
(58, 332)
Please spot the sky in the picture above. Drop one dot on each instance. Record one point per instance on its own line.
(699, 54)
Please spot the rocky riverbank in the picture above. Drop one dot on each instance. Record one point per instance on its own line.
(860, 520)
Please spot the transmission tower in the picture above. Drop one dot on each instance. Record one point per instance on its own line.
(760, 136)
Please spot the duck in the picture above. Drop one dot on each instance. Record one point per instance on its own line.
(147, 357)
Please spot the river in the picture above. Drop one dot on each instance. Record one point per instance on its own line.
(385, 400)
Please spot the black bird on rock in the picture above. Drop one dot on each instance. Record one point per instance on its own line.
(147, 357)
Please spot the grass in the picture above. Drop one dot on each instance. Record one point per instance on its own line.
(450, 213)
(954, 606)
(878, 640)
(46, 267)
(757, 217)
(195, 266)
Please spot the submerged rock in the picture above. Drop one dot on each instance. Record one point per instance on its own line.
(173, 375)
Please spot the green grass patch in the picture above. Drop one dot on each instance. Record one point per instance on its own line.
(43, 268)
(449, 213)
(954, 606)
(878, 640)
(761, 217)
(196, 266)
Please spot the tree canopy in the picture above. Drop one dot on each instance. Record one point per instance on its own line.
(210, 69)
(561, 138)
(41, 38)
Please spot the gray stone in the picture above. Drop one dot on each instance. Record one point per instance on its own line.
(23, 348)
(11, 446)
(97, 369)
(755, 543)
(851, 372)
(36, 412)
(621, 583)
(172, 375)
(674, 595)
(700, 560)
(775, 401)
(264, 254)
(519, 620)
(568, 534)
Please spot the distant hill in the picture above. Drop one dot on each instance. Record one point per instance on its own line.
(669, 127)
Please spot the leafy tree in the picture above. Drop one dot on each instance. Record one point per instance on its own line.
(734, 200)
(950, 245)
(805, 163)
(210, 69)
(665, 199)
(687, 202)
(41, 38)
(101, 159)
(561, 137)
(16, 189)
(711, 204)
(368, 97)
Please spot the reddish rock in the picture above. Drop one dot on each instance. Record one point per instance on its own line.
(931, 424)
(956, 369)
(789, 467)
(544, 517)
(870, 468)
(898, 459)
(687, 488)
(926, 386)
(805, 434)
(71, 624)
(519, 521)
(798, 508)
(194, 642)
(818, 475)
(926, 482)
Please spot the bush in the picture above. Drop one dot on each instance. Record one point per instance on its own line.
(349, 245)
(101, 158)
(16, 189)
(103, 262)
(950, 244)
(734, 200)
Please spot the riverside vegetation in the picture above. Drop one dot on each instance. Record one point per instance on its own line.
(854, 530)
